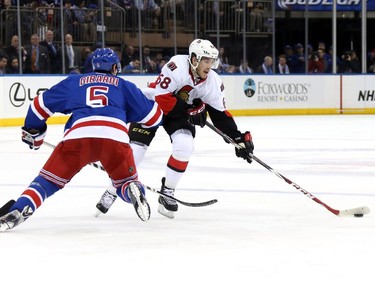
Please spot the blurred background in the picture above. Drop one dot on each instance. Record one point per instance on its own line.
(154, 30)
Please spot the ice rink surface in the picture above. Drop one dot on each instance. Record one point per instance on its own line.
(261, 229)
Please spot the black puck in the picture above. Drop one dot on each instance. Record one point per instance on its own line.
(358, 215)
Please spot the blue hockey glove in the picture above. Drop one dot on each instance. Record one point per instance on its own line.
(197, 113)
(33, 137)
(246, 142)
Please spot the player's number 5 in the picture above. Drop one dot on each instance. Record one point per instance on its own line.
(95, 96)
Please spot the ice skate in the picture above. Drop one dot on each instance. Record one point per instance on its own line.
(167, 207)
(138, 199)
(105, 202)
(14, 218)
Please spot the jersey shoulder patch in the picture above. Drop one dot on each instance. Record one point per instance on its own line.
(172, 66)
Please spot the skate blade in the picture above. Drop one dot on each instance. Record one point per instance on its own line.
(163, 211)
(142, 208)
(98, 213)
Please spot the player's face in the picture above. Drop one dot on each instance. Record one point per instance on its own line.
(204, 67)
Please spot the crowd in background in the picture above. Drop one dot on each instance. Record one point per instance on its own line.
(41, 54)
(46, 57)
(293, 61)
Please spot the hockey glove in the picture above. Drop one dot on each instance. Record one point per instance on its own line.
(33, 137)
(197, 113)
(246, 142)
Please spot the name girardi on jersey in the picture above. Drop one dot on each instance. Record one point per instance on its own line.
(285, 3)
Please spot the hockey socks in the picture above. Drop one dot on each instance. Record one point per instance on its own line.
(35, 194)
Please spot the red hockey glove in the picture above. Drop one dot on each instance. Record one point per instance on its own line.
(33, 137)
(246, 142)
(197, 113)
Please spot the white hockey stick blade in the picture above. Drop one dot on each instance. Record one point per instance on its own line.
(357, 212)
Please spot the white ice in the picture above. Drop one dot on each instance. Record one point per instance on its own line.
(261, 229)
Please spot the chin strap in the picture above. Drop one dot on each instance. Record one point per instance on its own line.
(194, 69)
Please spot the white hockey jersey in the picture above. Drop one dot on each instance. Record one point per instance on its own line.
(177, 79)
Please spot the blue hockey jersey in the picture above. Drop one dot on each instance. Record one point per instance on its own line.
(100, 106)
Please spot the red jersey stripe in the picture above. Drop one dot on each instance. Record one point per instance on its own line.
(39, 109)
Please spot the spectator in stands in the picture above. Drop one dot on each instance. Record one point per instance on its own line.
(230, 69)
(327, 57)
(163, 61)
(12, 50)
(37, 58)
(84, 24)
(244, 67)
(282, 67)
(289, 54)
(9, 19)
(158, 57)
(69, 26)
(134, 67)
(298, 61)
(356, 63)
(53, 52)
(371, 61)
(87, 65)
(130, 12)
(146, 57)
(317, 62)
(75, 70)
(150, 13)
(223, 61)
(3, 63)
(13, 66)
(256, 15)
(350, 63)
(127, 55)
(72, 54)
(85, 52)
(339, 63)
(153, 66)
(266, 66)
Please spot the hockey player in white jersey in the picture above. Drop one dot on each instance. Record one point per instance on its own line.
(186, 90)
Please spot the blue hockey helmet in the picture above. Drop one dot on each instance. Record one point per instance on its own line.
(104, 58)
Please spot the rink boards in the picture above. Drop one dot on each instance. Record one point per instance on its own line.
(245, 94)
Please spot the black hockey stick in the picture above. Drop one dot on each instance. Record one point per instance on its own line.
(357, 212)
(5, 209)
(189, 204)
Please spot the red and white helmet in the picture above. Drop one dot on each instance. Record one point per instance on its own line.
(203, 48)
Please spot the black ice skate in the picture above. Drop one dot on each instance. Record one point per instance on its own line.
(138, 199)
(105, 202)
(167, 207)
(14, 218)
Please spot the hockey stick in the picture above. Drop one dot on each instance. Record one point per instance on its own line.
(189, 204)
(357, 212)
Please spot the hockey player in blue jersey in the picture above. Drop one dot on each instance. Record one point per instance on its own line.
(100, 104)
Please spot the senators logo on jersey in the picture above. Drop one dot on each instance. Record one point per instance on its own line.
(183, 93)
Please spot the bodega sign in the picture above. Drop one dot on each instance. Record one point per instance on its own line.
(323, 5)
